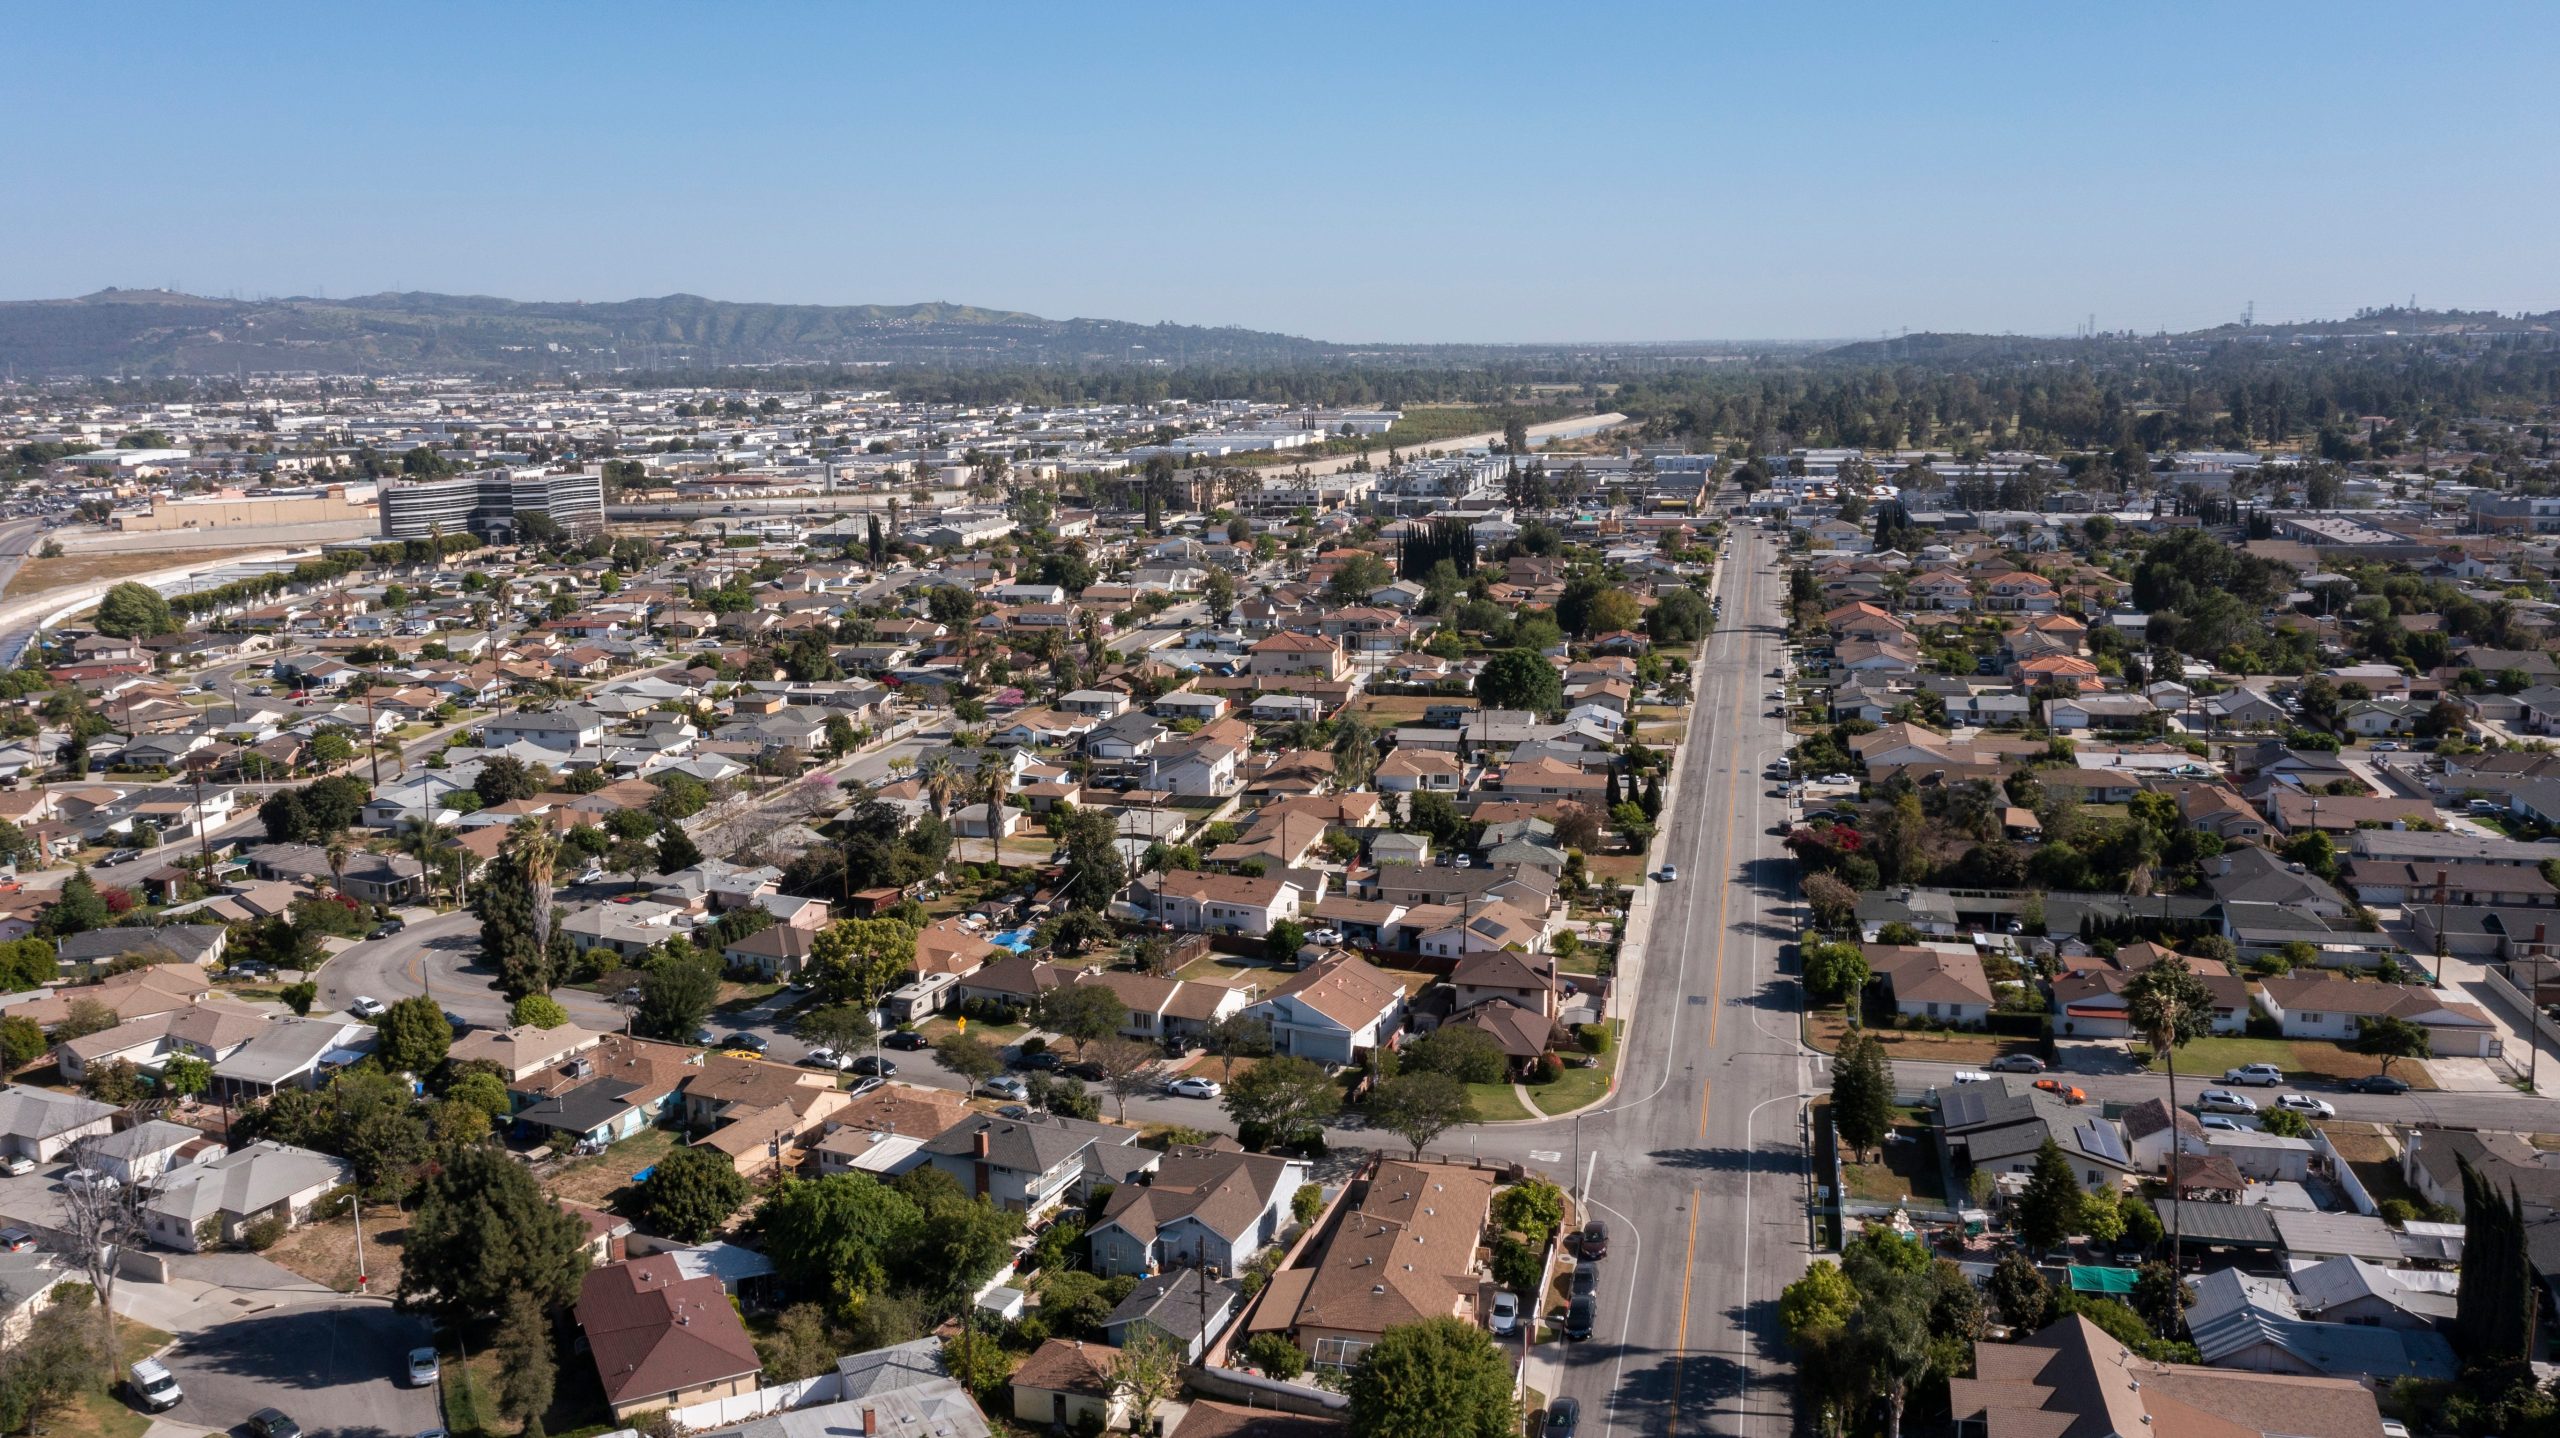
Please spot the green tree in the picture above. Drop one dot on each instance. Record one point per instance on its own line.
(1532, 1208)
(969, 1056)
(482, 1230)
(959, 1241)
(1862, 1092)
(77, 909)
(2284, 1123)
(855, 961)
(1441, 1378)
(841, 1027)
(526, 1367)
(539, 1010)
(976, 1361)
(2495, 1309)
(484, 1091)
(1282, 1102)
(22, 1041)
(676, 849)
(1418, 1108)
(1146, 1375)
(839, 1234)
(2050, 1208)
(676, 997)
(1084, 1014)
(2019, 1292)
(1469, 1055)
(691, 1193)
(186, 1075)
(1820, 1301)
(1520, 679)
(1089, 849)
(133, 611)
(1833, 972)
(300, 997)
(2390, 1038)
(412, 1036)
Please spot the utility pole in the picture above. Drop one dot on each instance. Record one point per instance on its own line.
(372, 738)
(204, 834)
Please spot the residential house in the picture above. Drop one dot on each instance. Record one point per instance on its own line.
(1198, 902)
(1067, 1384)
(1032, 1167)
(39, 1124)
(2073, 1380)
(1411, 1250)
(661, 1340)
(2325, 1008)
(201, 1205)
(1933, 981)
(1210, 1206)
(1333, 1011)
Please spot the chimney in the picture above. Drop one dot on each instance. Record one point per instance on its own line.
(870, 1422)
(982, 1143)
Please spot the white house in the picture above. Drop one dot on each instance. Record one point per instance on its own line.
(2333, 1008)
(1336, 1009)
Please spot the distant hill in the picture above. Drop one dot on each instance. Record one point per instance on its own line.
(158, 332)
(1961, 349)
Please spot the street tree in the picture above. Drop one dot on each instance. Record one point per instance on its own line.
(676, 998)
(1282, 1101)
(2389, 1038)
(1083, 1014)
(2169, 1007)
(1862, 1092)
(1418, 1108)
(969, 1056)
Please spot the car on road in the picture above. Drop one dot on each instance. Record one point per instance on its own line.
(1564, 1417)
(1670, 873)
(153, 1385)
(1005, 1086)
(124, 856)
(1505, 1319)
(1580, 1316)
(1970, 1076)
(1043, 1059)
(386, 929)
(870, 1066)
(423, 1368)
(1586, 1278)
(2379, 1083)
(16, 1240)
(1193, 1086)
(1595, 1241)
(906, 1039)
(752, 1043)
(2068, 1093)
(2219, 1100)
(2017, 1064)
(366, 1006)
(2260, 1075)
(2307, 1106)
(272, 1423)
(823, 1058)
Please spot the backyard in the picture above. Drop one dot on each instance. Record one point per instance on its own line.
(1905, 1166)
(597, 1181)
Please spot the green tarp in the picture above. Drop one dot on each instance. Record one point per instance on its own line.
(2101, 1280)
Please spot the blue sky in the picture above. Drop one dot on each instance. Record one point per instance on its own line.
(1405, 172)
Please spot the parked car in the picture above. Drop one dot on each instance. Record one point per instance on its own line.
(153, 1385)
(1970, 1076)
(423, 1368)
(16, 1240)
(1505, 1319)
(905, 1039)
(2068, 1093)
(365, 1006)
(17, 1165)
(2259, 1075)
(1193, 1086)
(2226, 1125)
(1586, 1279)
(2306, 1105)
(1005, 1086)
(2380, 1084)
(1595, 1241)
(2216, 1100)
(384, 929)
(1044, 1059)
(2017, 1064)
(1564, 1416)
(752, 1043)
(81, 1180)
(822, 1058)
(1580, 1316)
(1671, 873)
(871, 1067)
(271, 1423)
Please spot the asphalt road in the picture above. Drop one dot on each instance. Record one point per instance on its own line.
(1695, 1164)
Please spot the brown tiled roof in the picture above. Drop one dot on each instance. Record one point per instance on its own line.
(654, 1332)
(1063, 1365)
(1407, 1253)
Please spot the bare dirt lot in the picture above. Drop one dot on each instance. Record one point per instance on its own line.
(39, 575)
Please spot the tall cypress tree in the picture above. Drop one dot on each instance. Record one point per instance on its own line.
(2494, 1314)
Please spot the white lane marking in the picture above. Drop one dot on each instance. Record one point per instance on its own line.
(1626, 1320)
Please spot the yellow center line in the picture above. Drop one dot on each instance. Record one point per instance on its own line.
(1680, 1344)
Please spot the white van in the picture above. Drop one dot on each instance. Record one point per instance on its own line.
(1784, 768)
(154, 1386)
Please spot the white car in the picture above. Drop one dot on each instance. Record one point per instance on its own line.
(423, 1367)
(1006, 1086)
(1193, 1086)
(1971, 1076)
(1671, 873)
(1506, 1313)
(822, 1058)
(2225, 1125)
(2216, 1100)
(2259, 1075)
(365, 1006)
(2307, 1106)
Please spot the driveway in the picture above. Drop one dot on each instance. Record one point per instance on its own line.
(334, 1365)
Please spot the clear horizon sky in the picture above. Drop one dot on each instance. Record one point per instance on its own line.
(1409, 173)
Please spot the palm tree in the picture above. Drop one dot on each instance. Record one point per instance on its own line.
(338, 865)
(537, 851)
(995, 774)
(2168, 1005)
(943, 782)
(1355, 752)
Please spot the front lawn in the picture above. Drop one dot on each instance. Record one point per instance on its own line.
(1578, 1088)
(100, 1411)
(2208, 1058)
(1496, 1102)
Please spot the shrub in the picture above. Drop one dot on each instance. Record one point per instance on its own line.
(1275, 1355)
(263, 1233)
(1306, 1203)
(1595, 1038)
(1546, 1070)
